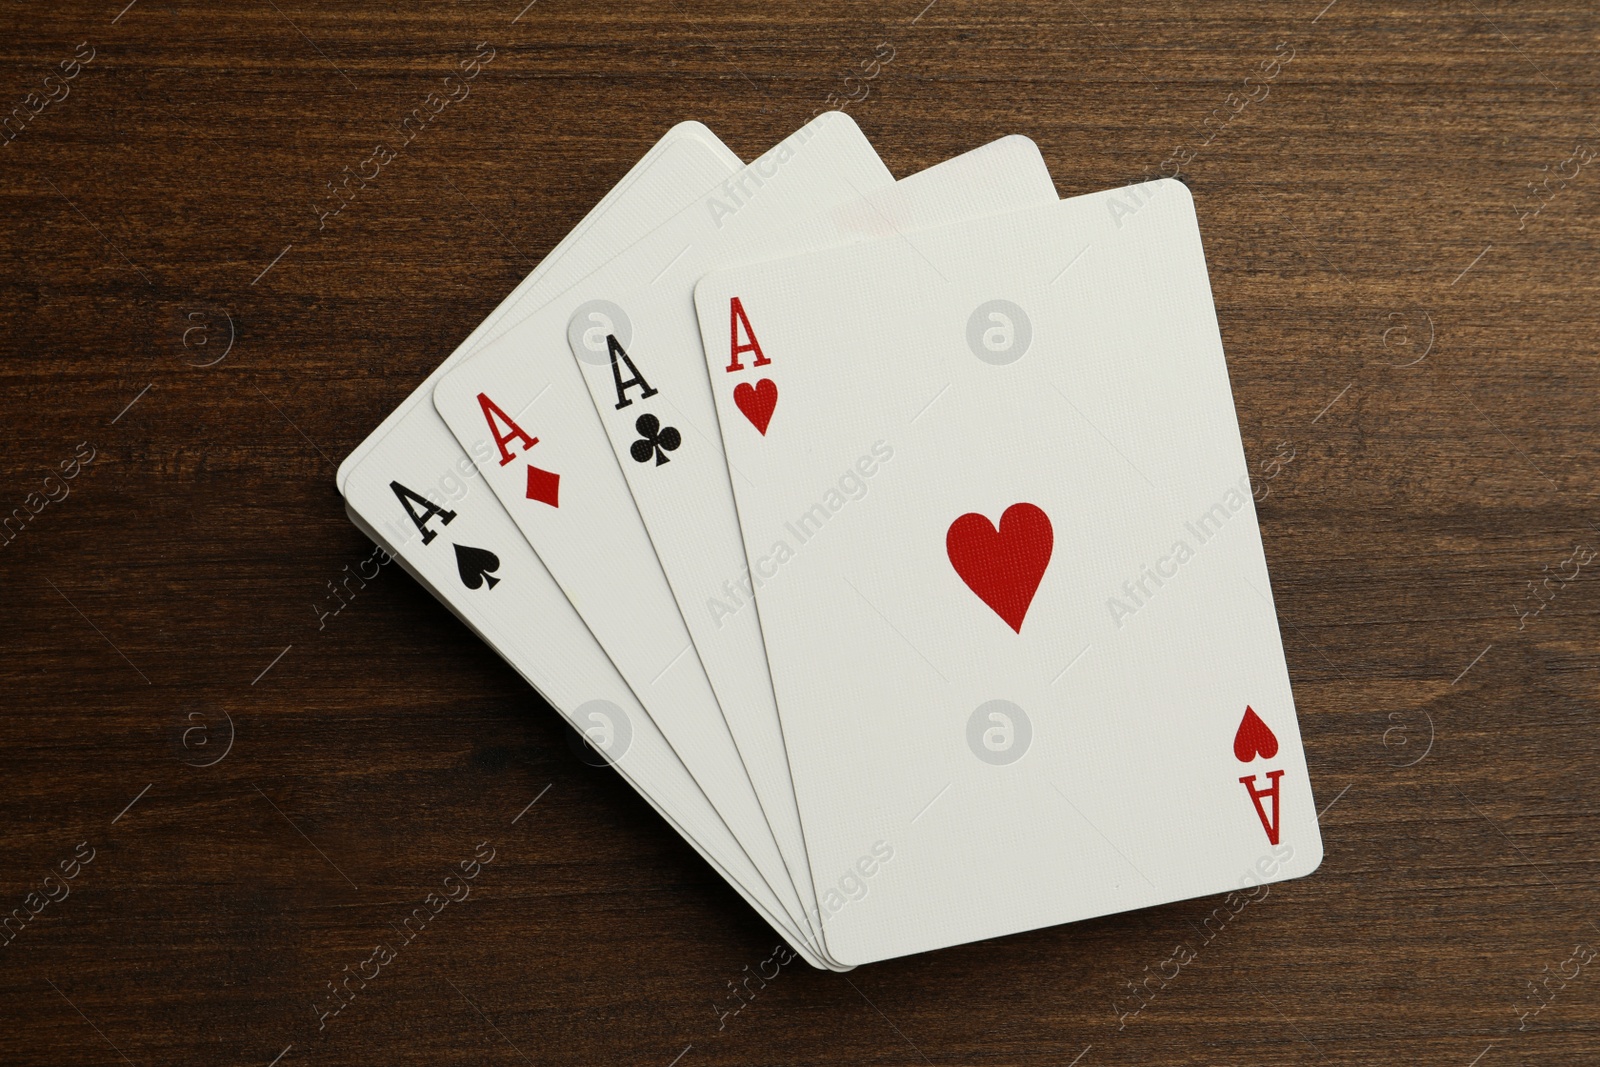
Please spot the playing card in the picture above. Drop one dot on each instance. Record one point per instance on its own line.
(521, 409)
(554, 273)
(412, 480)
(655, 401)
(1013, 595)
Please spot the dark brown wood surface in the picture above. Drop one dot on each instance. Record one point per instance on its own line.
(1400, 221)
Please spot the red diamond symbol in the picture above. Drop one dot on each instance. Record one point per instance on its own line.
(543, 486)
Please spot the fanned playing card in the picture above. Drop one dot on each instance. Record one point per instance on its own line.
(1016, 608)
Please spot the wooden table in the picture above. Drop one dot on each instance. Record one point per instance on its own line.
(250, 790)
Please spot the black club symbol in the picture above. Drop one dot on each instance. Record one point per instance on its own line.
(657, 441)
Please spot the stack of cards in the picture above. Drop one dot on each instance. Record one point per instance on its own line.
(892, 538)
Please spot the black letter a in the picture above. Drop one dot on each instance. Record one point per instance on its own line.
(421, 519)
(616, 349)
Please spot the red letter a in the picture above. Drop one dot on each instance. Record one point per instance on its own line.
(513, 432)
(1269, 825)
(736, 316)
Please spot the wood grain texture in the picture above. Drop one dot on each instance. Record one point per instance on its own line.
(1396, 316)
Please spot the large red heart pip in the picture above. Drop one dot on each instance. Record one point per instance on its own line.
(1005, 566)
(757, 402)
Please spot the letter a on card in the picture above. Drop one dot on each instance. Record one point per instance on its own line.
(543, 486)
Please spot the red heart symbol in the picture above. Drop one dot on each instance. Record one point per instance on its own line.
(1253, 738)
(757, 402)
(1005, 566)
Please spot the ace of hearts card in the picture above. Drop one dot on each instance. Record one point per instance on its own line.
(1009, 576)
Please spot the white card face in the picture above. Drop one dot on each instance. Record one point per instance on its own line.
(1018, 606)
(521, 408)
(682, 492)
(480, 565)
(558, 270)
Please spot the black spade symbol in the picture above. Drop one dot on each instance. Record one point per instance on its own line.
(474, 564)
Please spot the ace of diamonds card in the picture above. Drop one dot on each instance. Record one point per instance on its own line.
(1007, 567)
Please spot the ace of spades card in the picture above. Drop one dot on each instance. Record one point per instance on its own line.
(1012, 588)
